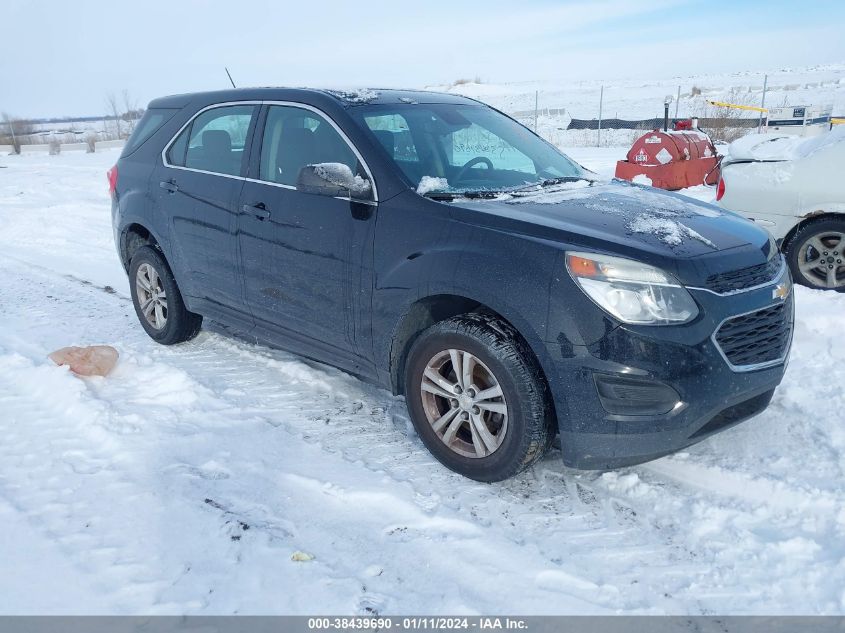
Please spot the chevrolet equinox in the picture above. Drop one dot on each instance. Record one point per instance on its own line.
(433, 245)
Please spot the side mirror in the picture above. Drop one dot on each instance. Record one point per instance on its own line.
(333, 179)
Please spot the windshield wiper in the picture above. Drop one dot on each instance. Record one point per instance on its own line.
(486, 194)
(451, 195)
(553, 181)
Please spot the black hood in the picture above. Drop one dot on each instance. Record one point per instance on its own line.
(676, 233)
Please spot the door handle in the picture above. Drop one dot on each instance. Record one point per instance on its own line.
(259, 210)
(169, 186)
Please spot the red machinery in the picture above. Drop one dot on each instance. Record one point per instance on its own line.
(674, 159)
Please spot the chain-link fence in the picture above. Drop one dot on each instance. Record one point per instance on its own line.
(612, 117)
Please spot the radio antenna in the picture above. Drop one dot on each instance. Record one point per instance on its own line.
(232, 81)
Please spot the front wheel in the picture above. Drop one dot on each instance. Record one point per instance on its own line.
(477, 398)
(816, 256)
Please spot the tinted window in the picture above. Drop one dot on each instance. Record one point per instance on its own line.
(463, 145)
(393, 133)
(296, 137)
(152, 120)
(214, 141)
(467, 147)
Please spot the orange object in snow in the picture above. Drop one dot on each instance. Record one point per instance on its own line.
(683, 157)
(96, 360)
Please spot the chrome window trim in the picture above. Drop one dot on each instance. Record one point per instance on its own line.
(774, 280)
(740, 369)
(294, 104)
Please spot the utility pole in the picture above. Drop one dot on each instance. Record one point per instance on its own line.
(677, 102)
(762, 104)
(601, 103)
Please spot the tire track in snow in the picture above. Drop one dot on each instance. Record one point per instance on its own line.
(366, 426)
(640, 518)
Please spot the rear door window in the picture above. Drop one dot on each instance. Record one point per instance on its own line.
(214, 141)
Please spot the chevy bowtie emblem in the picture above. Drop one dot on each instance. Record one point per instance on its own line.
(781, 291)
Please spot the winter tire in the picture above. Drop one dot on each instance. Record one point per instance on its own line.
(157, 300)
(477, 397)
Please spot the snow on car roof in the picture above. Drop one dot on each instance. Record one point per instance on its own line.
(782, 146)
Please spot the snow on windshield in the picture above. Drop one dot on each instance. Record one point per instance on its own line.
(432, 183)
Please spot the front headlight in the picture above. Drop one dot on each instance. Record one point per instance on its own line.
(630, 291)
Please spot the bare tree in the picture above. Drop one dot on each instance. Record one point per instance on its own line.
(16, 132)
(113, 110)
(131, 112)
(723, 121)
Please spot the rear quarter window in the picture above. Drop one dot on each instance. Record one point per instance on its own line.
(149, 124)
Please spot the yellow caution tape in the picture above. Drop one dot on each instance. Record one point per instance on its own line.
(737, 106)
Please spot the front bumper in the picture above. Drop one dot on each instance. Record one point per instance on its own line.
(712, 394)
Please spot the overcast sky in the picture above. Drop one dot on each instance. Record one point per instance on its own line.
(63, 57)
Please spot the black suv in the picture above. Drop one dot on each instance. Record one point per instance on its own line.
(433, 245)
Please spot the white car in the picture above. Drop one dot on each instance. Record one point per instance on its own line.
(794, 187)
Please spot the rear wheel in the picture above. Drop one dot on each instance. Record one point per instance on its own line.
(157, 300)
(477, 398)
(816, 254)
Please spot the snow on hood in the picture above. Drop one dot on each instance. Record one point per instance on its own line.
(656, 200)
(661, 216)
(620, 212)
(669, 231)
(770, 147)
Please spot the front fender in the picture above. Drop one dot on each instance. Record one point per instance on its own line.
(507, 274)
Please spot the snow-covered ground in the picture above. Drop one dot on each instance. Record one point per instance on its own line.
(186, 480)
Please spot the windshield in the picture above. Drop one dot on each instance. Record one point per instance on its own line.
(463, 149)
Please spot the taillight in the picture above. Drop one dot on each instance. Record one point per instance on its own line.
(720, 190)
(111, 174)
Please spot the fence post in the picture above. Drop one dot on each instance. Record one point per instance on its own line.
(536, 100)
(601, 102)
(762, 104)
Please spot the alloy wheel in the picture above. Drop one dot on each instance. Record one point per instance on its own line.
(821, 260)
(464, 403)
(152, 298)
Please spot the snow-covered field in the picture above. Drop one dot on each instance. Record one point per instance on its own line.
(558, 101)
(186, 480)
(822, 85)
